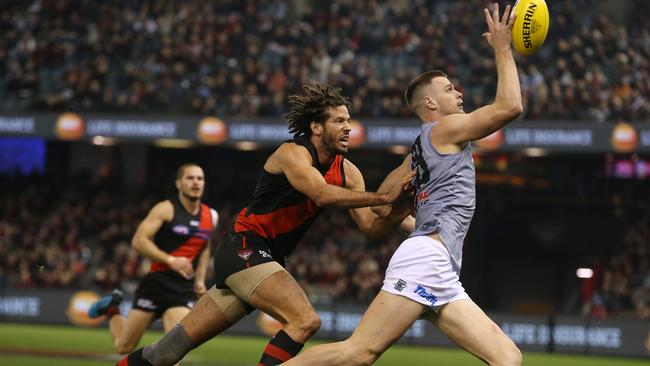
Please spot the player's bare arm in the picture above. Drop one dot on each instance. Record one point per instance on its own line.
(373, 225)
(407, 225)
(201, 270)
(295, 163)
(458, 129)
(143, 239)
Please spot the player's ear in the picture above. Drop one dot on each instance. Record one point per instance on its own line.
(178, 184)
(316, 128)
(429, 103)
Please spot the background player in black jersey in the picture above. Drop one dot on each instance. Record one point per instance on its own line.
(175, 236)
(299, 179)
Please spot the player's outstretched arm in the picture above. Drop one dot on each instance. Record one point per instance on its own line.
(143, 239)
(461, 128)
(295, 163)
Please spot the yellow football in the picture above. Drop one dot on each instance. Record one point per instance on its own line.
(531, 25)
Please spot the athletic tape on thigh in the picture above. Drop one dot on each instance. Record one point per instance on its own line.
(244, 282)
(232, 307)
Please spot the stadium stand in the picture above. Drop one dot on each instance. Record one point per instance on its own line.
(242, 58)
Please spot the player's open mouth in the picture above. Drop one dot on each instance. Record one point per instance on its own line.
(344, 140)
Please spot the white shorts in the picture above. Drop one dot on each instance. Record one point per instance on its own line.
(421, 270)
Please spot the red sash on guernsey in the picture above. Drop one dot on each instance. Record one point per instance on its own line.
(287, 219)
(194, 244)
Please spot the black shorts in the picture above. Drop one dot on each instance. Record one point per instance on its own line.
(159, 291)
(238, 251)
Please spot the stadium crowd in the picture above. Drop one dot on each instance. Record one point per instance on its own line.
(242, 58)
(623, 282)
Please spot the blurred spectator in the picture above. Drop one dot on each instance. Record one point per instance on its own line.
(624, 283)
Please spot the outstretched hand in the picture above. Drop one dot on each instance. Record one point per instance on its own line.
(499, 34)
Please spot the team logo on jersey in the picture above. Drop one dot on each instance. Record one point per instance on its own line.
(423, 198)
(202, 233)
(428, 227)
(194, 223)
(426, 294)
(400, 284)
(180, 229)
(244, 254)
(264, 254)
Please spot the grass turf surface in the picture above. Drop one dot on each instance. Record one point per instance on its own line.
(37, 345)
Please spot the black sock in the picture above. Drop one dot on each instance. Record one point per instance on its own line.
(280, 349)
(134, 359)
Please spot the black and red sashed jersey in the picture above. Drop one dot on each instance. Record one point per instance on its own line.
(186, 235)
(279, 212)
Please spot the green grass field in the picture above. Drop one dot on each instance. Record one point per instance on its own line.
(36, 345)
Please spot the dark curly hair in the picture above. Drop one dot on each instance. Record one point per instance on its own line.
(312, 106)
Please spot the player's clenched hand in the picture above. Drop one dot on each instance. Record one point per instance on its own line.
(407, 182)
(199, 287)
(405, 187)
(499, 33)
(181, 265)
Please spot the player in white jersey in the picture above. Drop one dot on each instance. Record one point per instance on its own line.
(422, 276)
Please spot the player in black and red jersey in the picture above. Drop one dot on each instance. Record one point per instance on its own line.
(301, 177)
(175, 236)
